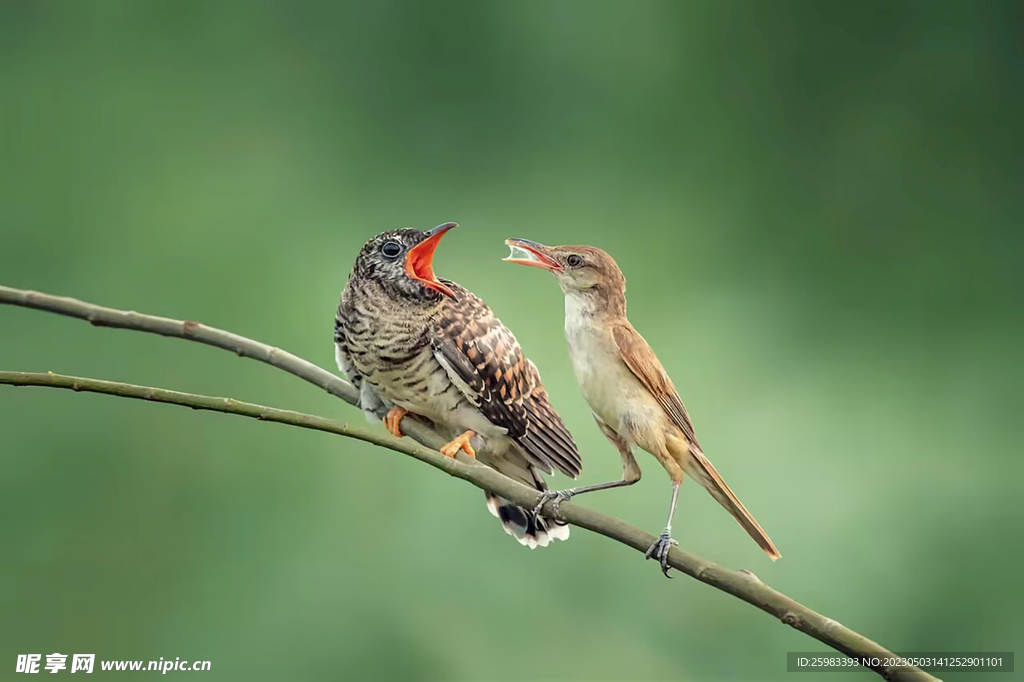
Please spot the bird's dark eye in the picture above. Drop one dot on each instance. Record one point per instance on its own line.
(391, 249)
(574, 261)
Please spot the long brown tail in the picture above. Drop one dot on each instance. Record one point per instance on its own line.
(697, 466)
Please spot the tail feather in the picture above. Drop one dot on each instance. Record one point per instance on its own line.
(519, 523)
(700, 468)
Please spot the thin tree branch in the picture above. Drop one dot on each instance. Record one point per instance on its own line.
(100, 316)
(244, 409)
(742, 585)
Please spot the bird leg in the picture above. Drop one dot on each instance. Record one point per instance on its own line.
(460, 443)
(660, 548)
(393, 421)
(556, 497)
(630, 475)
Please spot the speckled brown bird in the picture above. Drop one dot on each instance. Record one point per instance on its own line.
(413, 343)
(632, 397)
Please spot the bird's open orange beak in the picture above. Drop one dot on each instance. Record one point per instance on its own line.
(531, 254)
(419, 263)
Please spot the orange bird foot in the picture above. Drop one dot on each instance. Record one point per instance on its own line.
(460, 443)
(393, 421)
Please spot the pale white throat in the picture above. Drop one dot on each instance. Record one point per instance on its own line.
(606, 383)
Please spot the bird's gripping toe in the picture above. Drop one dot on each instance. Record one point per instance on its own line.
(393, 421)
(555, 497)
(659, 550)
(460, 443)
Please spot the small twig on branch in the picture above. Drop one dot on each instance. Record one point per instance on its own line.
(737, 583)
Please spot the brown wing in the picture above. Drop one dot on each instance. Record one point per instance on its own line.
(642, 361)
(485, 361)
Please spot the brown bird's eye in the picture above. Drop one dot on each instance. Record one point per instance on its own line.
(574, 261)
(391, 249)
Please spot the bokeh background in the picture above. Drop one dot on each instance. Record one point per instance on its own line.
(818, 207)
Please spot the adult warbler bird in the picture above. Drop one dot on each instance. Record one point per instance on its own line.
(629, 392)
(413, 343)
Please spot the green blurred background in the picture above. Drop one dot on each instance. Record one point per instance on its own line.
(818, 207)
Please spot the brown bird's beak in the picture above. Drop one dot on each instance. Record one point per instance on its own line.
(419, 263)
(531, 254)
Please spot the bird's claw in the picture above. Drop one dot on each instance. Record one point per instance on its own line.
(393, 421)
(659, 550)
(462, 443)
(555, 497)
